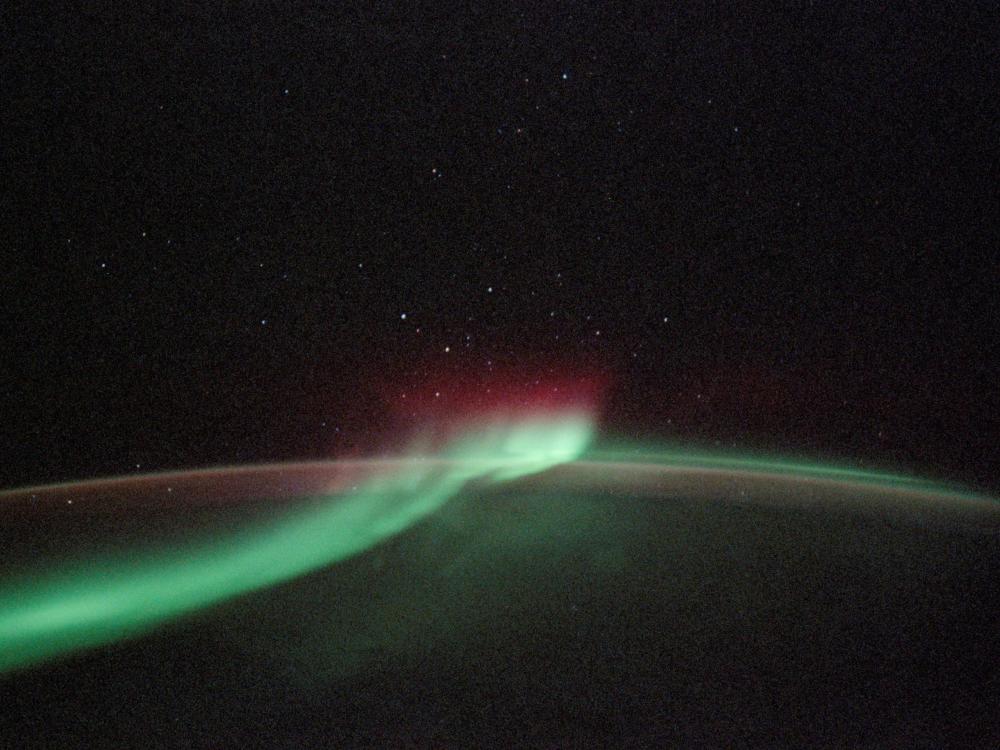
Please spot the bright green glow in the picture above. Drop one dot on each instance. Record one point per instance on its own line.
(98, 601)
(526, 447)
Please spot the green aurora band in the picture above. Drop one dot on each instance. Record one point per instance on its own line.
(685, 457)
(97, 601)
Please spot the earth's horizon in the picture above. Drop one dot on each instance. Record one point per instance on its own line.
(652, 600)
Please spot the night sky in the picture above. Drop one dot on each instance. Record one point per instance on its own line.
(263, 231)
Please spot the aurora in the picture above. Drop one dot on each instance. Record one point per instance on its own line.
(342, 509)
(61, 608)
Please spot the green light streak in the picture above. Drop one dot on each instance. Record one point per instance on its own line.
(678, 457)
(101, 600)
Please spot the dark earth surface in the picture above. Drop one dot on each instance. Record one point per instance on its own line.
(543, 613)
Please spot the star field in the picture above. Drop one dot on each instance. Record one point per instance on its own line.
(244, 234)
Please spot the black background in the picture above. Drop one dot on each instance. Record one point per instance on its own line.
(770, 230)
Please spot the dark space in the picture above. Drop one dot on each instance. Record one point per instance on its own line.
(216, 218)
